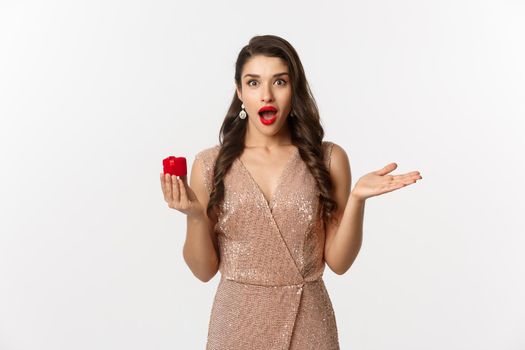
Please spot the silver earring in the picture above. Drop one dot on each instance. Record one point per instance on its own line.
(242, 113)
(292, 115)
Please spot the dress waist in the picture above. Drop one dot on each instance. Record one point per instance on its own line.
(254, 283)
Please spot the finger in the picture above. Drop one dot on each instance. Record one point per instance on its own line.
(408, 177)
(403, 181)
(163, 181)
(386, 169)
(167, 184)
(189, 191)
(183, 194)
(163, 185)
(412, 174)
(175, 188)
(402, 178)
(411, 178)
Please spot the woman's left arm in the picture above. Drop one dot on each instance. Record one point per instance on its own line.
(343, 239)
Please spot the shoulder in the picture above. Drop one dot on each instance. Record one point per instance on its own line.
(209, 153)
(335, 155)
(340, 174)
(202, 169)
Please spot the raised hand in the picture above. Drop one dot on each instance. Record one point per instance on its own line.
(179, 195)
(378, 182)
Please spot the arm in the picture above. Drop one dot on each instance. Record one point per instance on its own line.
(343, 240)
(200, 248)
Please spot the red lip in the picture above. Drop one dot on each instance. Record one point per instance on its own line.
(267, 108)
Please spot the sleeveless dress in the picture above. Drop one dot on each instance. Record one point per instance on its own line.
(271, 294)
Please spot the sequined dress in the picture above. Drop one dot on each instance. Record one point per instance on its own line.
(271, 294)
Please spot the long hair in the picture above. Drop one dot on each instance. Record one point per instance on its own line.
(305, 127)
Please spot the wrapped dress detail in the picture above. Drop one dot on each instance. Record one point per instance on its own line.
(271, 294)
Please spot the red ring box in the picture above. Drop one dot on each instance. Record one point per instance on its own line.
(175, 166)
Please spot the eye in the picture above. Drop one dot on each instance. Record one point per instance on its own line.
(249, 82)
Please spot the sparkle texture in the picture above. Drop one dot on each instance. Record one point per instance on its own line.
(271, 294)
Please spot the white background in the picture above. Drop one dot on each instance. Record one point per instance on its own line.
(94, 94)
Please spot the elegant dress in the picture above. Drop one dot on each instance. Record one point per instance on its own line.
(271, 294)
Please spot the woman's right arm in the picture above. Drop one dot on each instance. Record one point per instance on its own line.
(200, 250)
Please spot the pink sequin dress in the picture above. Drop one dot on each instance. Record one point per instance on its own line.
(271, 294)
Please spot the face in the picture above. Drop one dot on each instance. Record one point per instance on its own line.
(265, 82)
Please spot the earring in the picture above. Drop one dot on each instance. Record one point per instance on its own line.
(291, 114)
(242, 113)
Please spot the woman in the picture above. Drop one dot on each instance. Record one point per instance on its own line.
(270, 205)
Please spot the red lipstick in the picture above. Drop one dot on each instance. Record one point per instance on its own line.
(265, 111)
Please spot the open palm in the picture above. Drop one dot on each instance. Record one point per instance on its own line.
(379, 182)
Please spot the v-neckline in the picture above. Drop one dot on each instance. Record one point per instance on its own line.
(269, 203)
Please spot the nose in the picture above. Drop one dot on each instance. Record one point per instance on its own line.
(267, 93)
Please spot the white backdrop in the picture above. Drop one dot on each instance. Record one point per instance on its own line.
(94, 94)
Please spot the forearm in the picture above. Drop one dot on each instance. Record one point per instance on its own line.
(349, 236)
(199, 249)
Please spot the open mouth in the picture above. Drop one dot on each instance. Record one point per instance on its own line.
(268, 112)
(267, 115)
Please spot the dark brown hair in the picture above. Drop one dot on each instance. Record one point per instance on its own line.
(305, 127)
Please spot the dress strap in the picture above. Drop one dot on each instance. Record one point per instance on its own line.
(327, 152)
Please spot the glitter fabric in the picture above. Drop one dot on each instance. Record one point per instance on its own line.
(271, 294)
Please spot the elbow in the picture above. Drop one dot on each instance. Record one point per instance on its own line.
(201, 271)
(336, 269)
(341, 267)
(206, 278)
(339, 272)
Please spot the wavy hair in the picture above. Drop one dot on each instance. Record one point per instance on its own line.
(306, 130)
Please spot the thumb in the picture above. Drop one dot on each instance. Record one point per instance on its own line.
(386, 169)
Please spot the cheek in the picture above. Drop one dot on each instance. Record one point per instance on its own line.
(286, 96)
(250, 98)
(288, 91)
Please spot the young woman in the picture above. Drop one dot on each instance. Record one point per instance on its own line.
(269, 205)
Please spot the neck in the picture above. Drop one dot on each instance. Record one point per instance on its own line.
(257, 139)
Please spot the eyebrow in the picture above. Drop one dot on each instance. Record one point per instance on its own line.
(258, 76)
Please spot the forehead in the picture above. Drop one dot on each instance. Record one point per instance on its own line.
(264, 66)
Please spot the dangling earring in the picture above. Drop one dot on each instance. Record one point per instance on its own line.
(242, 113)
(292, 115)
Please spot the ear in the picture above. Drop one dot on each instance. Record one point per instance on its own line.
(239, 94)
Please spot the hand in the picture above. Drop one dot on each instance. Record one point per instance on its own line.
(377, 182)
(180, 196)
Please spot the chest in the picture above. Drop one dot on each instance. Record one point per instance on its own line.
(266, 174)
(292, 209)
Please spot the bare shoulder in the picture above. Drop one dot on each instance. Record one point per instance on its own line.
(202, 172)
(340, 173)
(337, 157)
(201, 176)
(208, 154)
